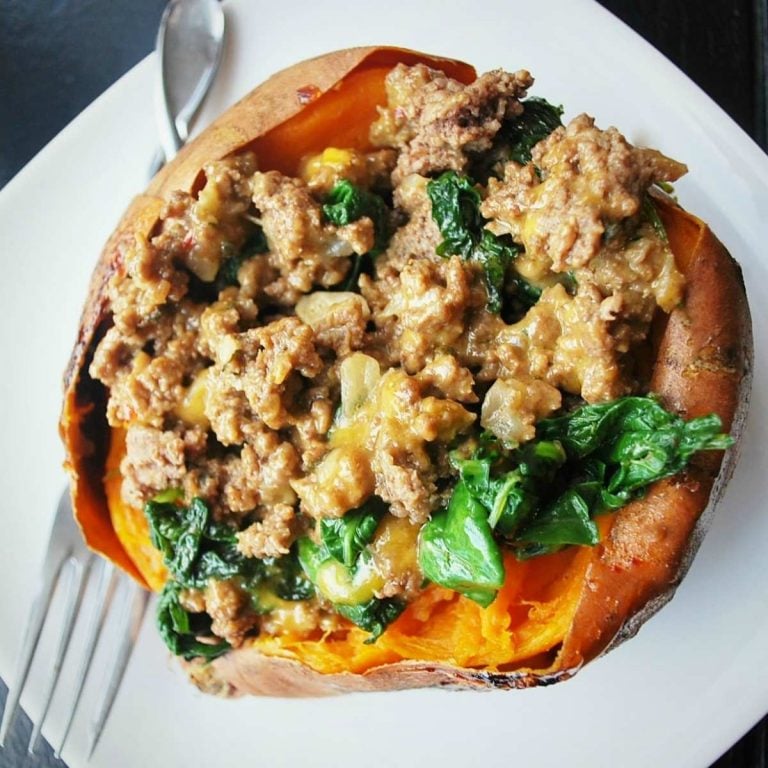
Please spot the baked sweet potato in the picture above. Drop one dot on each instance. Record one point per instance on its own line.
(552, 614)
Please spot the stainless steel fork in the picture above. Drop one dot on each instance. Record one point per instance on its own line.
(68, 555)
(185, 26)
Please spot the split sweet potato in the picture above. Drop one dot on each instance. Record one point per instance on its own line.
(595, 597)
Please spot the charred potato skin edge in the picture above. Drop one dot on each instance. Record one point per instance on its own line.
(621, 590)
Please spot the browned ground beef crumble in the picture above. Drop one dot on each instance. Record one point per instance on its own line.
(231, 392)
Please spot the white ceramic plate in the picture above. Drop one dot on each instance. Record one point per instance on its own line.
(695, 678)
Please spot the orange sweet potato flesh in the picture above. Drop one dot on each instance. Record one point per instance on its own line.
(130, 525)
(553, 614)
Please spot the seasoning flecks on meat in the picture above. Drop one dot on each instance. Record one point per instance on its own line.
(213, 220)
(512, 407)
(270, 537)
(338, 318)
(261, 379)
(427, 308)
(229, 607)
(260, 475)
(436, 122)
(156, 460)
(304, 249)
(381, 448)
(580, 180)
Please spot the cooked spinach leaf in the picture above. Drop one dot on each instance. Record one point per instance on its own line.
(638, 440)
(456, 211)
(231, 262)
(615, 451)
(510, 496)
(347, 203)
(197, 549)
(311, 557)
(565, 521)
(538, 120)
(180, 630)
(374, 616)
(346, 537)
(544, 495)
(457, 548)
(458, 551)
(495, 254)
(285, 577)
(169, 495)
(342, 558)
(652, 215)
(227, 274)
(526, 294)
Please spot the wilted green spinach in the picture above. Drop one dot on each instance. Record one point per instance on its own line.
(196, 549)
(538, 120)
(346, 537)
(457, 548)
(180, 629)
(231, 262)
(456, 211)
(344, 540)
(347, 203)
(544, 495)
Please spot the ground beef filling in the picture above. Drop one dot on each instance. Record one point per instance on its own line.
(259, 362)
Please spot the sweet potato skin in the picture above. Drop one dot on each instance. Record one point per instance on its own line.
(246, 671)
(83, 425)
(702, 364)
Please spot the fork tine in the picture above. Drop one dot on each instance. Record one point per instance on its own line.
(34, 627)
(105, 592)
(130, 623)
(73, 601)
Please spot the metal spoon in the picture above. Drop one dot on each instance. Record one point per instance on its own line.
(189, 46)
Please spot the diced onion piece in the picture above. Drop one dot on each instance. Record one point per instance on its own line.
(314, 308)
(359, 374)
(219, 331)
(336, 247)
(203, 264)
(512, 407)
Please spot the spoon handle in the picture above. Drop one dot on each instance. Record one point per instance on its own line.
(158, 161)
(170, 141)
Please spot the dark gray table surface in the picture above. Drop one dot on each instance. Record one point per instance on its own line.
(62, 54)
